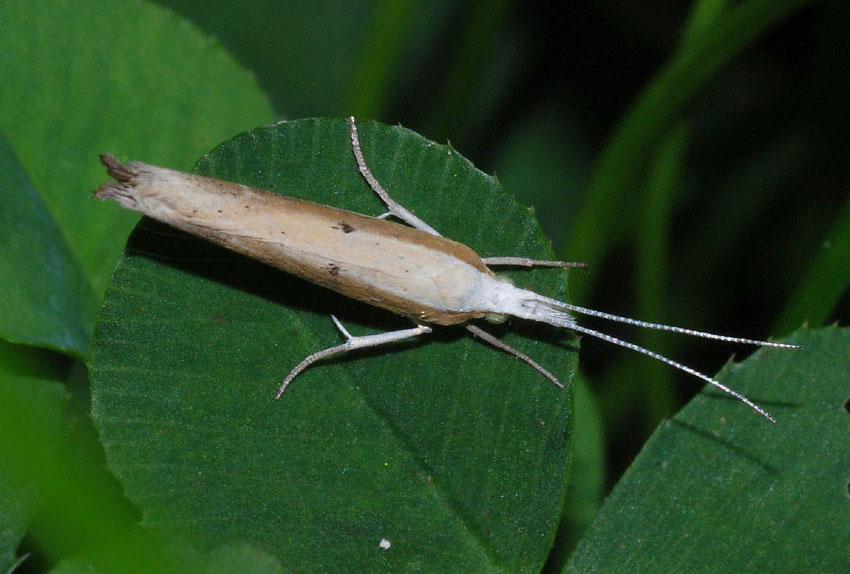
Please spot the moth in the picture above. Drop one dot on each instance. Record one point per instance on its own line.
(408, 269)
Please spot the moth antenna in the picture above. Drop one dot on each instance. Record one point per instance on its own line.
(671, 328)
(675, 365)
(538, 308)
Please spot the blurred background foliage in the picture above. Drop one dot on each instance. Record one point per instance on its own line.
(691, 152)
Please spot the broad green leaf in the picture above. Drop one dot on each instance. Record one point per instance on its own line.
(305, 54)
(317, 58)
(455, 453)
(52, 490)
(167, 553)
(16, 503)
(31, 407)
(82, 77)
(720, 489)
(49, 303)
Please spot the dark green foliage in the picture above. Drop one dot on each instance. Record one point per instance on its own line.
(716, 488)
(693, 152)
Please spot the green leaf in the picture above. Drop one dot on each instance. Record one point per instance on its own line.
(452, 451)
(51, 489)
(306, 54)
(587, 476)
(31, 407)
(315, 58)
(163, 553)
(719, 488)
(47, 301)
(84, 77)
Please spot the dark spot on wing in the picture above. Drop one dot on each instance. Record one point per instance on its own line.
(334, 270)
(344, 226)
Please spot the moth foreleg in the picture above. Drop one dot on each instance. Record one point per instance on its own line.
(395, 208)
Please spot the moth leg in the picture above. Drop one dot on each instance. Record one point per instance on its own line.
(399, 211)
(351, 344)
(395, 208)
(526, 262)
(488, 338)
(402, 213)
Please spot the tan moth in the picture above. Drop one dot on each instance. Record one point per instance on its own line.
(408, 269)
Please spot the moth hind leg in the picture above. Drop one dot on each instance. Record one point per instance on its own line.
(352, 343)
(490, 339)
(395, 208)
